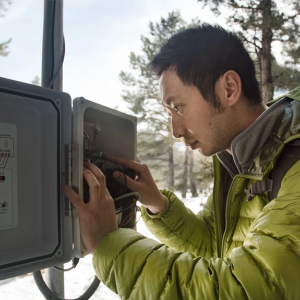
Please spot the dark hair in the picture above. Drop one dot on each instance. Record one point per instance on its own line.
(200, 55)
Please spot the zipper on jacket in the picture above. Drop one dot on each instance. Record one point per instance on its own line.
(217, 195)
(228, 206)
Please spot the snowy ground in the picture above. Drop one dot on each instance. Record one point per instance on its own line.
(76, 281)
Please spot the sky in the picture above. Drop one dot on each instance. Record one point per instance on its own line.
(99, 36)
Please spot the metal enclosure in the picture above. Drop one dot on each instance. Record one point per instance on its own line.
(38, 153)
(35, 127)
(116, 135)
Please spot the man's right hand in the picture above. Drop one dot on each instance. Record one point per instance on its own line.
(144, 184)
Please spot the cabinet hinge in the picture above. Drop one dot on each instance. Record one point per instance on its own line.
(70, 152)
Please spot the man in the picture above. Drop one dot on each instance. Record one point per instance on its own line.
(241, 245)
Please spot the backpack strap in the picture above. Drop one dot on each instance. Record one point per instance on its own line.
(288, 157)
(258, 187)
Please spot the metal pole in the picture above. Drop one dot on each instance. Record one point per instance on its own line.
(47, 57)
(58, 44)
(52, 52)
(52, 43)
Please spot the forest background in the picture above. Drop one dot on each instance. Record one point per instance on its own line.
(261, 24)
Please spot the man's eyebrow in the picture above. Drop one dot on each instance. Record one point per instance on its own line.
(169, 99)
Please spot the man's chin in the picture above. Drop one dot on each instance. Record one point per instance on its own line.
(204, 152)
(201, 152)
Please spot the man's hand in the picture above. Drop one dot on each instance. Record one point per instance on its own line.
(150, 196)
(98, 216)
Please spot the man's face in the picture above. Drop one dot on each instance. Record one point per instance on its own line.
(194, 119)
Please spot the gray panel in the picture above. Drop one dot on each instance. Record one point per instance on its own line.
(116, 133)
(116, 136)
(36, 123)
(117, 130)
(42, 236)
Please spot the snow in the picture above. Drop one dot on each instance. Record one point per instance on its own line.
(78, 280)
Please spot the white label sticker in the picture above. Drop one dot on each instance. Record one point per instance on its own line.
(8, 176)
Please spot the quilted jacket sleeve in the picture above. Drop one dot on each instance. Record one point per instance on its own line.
(179, 228)
(136, 267)
(265, 267)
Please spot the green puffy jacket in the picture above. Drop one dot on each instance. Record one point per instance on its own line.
(232, 249)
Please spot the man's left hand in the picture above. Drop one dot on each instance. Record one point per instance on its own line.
(97, 217)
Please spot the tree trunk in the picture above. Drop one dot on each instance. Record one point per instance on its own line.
(191, 174)
(171, 169)
(185, 173)
(266, 58)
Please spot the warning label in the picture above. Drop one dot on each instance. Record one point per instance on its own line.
(8, 176)
(6, 198)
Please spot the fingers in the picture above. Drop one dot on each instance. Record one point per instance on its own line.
(99, 176)
(73, 197)
(131, 184)
(136, 166)
(96, 187)
(104, 193)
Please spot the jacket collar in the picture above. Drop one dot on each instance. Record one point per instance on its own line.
(246, 146)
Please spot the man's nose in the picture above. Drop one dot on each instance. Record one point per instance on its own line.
(177, 128)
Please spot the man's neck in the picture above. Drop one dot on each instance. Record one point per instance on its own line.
(247, 115)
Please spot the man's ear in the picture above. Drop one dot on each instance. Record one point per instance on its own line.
(229, 87)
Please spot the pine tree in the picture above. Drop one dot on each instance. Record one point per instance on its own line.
(192, 176)
(36, 81)
(260, 23)
(182, 186)
(188, 175)
(196, 173)
(142, 96)
(204, 177)
(4, 45)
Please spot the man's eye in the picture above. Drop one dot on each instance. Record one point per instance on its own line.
(177, 107)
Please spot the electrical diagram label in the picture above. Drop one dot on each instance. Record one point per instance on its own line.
(8, 176)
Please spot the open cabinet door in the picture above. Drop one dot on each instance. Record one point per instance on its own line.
(98, 129)
(35, 129)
